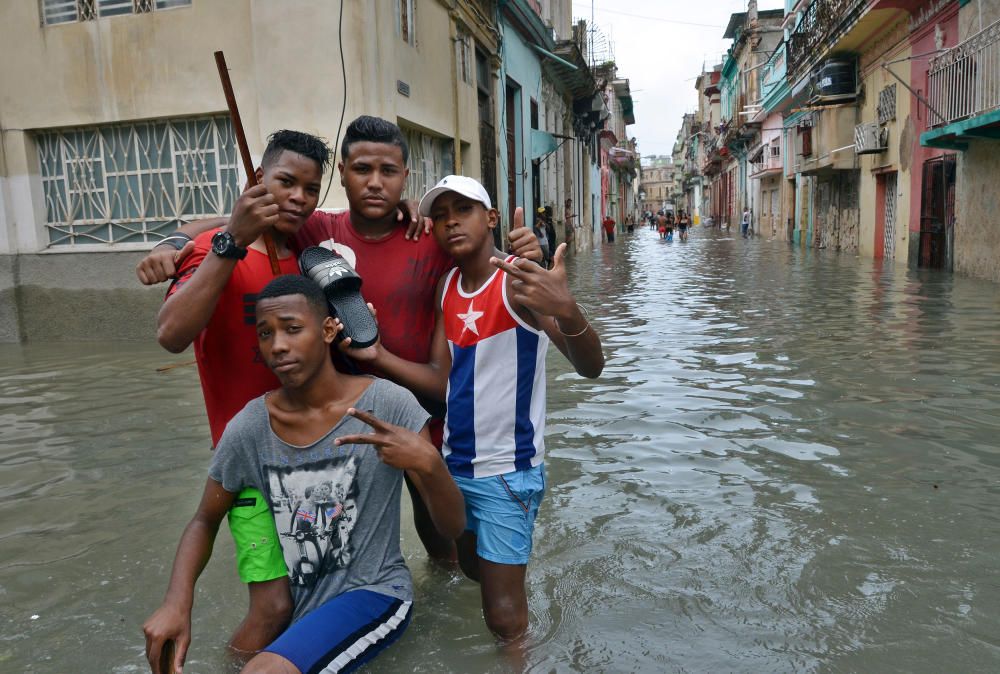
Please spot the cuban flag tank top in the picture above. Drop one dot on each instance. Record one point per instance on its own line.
(496, 388)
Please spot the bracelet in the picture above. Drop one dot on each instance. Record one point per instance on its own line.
(586, 313)
(177, 240)
(575, 334)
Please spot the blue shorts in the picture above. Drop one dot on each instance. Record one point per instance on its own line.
(501, 511)
(344, 633)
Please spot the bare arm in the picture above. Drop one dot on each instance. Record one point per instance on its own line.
(413, 452)
(430, 379)
(161, 263)
(188, 311)
(440, 493)
(172, 621)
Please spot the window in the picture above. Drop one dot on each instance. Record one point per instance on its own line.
(407, 21)
(135, 183)
(463, 55)
(431, 158)
(806, 136)
(71, 11)
(886, 109)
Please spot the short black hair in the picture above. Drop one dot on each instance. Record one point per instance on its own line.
(373, 130)
(294, 284)
(305, 144)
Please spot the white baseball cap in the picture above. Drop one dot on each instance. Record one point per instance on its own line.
(467, 187)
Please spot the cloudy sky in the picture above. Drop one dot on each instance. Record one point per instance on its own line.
(660, 46)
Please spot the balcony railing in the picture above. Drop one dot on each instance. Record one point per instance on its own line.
(821, 24)
(965, 80)
(769, 160)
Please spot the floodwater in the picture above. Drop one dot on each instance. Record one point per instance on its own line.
(790, 464)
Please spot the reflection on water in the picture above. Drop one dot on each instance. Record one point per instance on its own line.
(790, 464)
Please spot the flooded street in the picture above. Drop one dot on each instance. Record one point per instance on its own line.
(790, 464)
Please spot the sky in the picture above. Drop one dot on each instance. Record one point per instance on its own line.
(660, 46)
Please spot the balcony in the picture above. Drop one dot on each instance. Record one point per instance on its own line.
(965, 80)
(827, 143)
(821, 25)
(765, 161)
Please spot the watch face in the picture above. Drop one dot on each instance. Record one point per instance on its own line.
(224, 245)
(218, 243)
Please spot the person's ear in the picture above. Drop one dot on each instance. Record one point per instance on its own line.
(493, 217)
(340, 167)
(329, 330)
(259, 173)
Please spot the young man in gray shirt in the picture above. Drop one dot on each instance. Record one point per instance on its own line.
(331, 474)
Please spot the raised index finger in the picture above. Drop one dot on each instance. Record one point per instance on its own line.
(367, 417)
(513, 270)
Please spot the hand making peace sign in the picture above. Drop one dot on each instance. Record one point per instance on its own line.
(397, 446)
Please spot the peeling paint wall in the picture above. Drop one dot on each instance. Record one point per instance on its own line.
(977, 229)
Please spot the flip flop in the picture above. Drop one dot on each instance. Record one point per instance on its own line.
(342, 287)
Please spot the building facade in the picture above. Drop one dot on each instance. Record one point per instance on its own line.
(106, 149)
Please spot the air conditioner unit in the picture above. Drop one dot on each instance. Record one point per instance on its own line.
(870, 138)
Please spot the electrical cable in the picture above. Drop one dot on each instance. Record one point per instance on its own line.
(343, 106)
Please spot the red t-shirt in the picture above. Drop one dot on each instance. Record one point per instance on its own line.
(609, 224)
(399, 278)
(229, 362)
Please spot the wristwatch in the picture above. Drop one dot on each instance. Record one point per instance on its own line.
(224, 245)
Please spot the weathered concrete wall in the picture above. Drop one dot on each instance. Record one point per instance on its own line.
(977, 202)
(76, 298)
(10, 325)
(977, 15)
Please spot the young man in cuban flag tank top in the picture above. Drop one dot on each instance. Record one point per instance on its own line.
(495, 318)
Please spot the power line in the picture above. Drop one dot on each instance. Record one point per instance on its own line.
(657, 18)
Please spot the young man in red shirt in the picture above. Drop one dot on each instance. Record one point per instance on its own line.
(211, 305)
(400, 275)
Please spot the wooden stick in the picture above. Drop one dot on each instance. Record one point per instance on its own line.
(167, 657)
(241, 143)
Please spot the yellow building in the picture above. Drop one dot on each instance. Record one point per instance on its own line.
(114, 128)
(884, 140)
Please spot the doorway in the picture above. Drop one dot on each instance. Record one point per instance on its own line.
(886, 195)
(937, 213)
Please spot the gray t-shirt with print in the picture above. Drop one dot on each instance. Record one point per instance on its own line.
(336, 508)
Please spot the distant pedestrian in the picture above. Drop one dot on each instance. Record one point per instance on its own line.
(543, 237)
(550, 230)
(745, 223)
(609, 228)
(683, 222)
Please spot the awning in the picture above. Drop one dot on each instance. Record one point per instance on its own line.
(542, 143)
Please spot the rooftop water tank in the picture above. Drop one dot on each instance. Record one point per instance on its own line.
(837, 77)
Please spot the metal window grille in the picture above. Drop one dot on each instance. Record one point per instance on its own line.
(889, 236)
(71, 11)
(887, 104)
(431, 159)
(135, 183)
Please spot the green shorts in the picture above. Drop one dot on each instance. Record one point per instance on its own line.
(258, 550)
